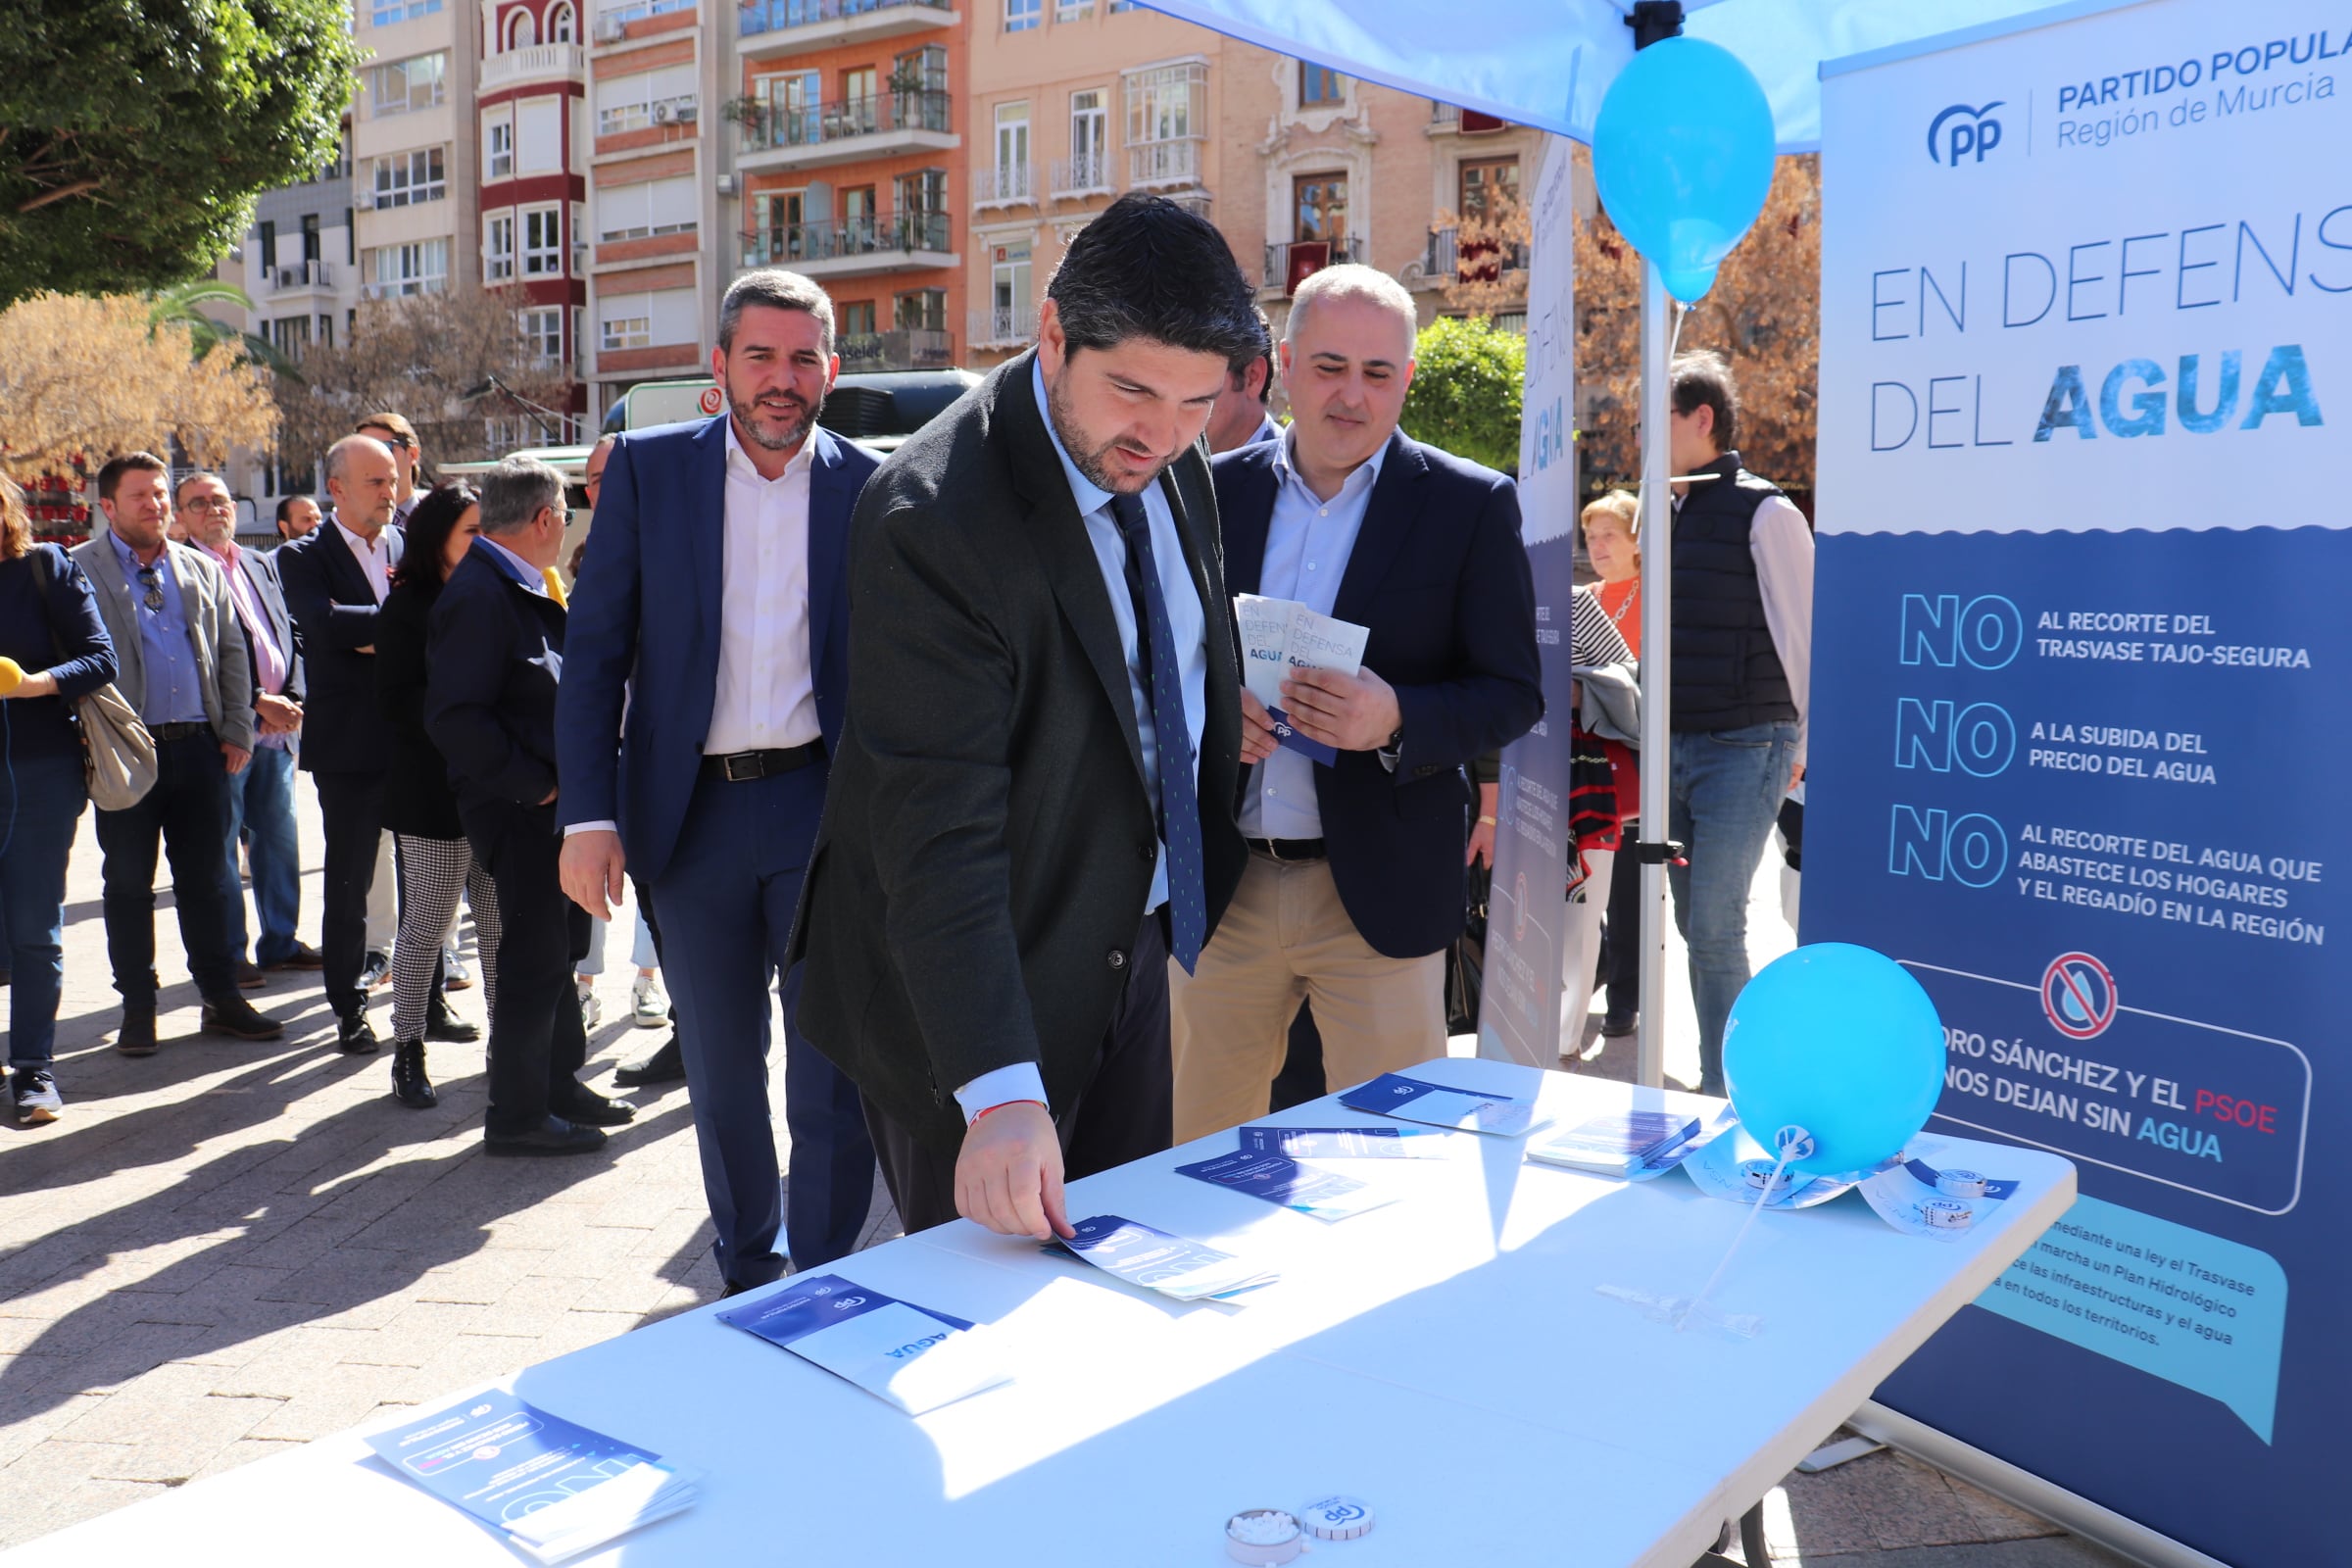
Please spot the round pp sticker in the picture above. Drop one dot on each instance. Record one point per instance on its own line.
(713, 400)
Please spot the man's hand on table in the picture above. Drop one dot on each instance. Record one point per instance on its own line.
(1008, 1176)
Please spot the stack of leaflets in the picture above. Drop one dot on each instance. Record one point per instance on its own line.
(912, 1356)
(553, 1489)
(1280, 635)
(1469, 1111)
(1615, 1144)
(1305, 1188)
(1145, 1255)
(1348, 1143)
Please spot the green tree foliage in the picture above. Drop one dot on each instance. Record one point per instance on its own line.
(135, 133)
(1465, 393)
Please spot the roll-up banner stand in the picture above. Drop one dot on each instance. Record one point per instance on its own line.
(2081, 720)
(1519, 1008)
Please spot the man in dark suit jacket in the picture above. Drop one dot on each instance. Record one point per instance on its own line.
(335, 577)
(711, 604)
(1354, 884)
(1031, 810)
(495, 651)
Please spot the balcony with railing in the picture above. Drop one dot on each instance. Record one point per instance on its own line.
(1004, 327)
(544, 62)
(780, 136)
(905, 348)
(1446, 120)
(1447, 260)
(885, 242)
(1289, 266)
(770, 28)
(1155, 165)
(1005, 185)
(1075, 178)
(298, 278)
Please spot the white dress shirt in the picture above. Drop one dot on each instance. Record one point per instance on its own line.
(374, 556)
(766, 694)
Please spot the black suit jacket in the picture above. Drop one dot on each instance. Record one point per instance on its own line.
(1439, 575)
(494, 652)
(334, 610)
(987, 842)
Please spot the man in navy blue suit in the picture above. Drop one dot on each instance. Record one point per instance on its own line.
(713, 598)
(1353, 886)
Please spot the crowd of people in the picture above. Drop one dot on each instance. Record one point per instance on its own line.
(952, 751)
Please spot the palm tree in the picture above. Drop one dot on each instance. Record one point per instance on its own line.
(180, 306)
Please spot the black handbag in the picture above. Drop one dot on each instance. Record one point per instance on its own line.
(1466, 957)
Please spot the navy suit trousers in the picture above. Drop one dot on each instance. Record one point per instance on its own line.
(725, 902)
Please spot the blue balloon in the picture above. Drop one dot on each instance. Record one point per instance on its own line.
(1683, 154)
(1841, 1041)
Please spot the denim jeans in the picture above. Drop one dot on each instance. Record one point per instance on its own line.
(1723, 792)
(261, 803)
(44, 799)
(188, 808)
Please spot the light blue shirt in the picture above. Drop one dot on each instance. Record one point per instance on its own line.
(1188, 620)
(1309, 541)
(175, 692)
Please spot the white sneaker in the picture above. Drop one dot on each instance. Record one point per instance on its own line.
(592, 1011)
(649, 1008)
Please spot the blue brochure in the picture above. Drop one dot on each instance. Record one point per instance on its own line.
(1469, 1111)
(1346, 1143)
(1148, 1256)
(912, 1356)
(1618, 1144)
(1319, 1194)
(554, 1489)
(1285, 734)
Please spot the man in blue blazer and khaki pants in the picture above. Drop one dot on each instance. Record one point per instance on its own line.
(1354, 886)
(711, 608)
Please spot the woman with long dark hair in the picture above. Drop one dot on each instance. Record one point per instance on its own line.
(56, 650)
(436, 864)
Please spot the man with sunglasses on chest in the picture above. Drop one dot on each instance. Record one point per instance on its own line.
(182, 665)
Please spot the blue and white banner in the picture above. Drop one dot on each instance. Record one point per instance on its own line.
(2079, 750)
(1519, 1006)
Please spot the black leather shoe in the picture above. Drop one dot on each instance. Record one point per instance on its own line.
(135, 1037)
(554, 1136)
(667, 1066)
(355, 1036)
(1617, 1026)
(592, 1109)
(250, 976)
(233, 1015)
(410, 1086)
(447, 1028)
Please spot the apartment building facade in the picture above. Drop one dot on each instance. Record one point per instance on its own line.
(414, 191)
(529, 122)
(850, 129)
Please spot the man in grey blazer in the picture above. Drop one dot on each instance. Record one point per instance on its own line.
(182, 667)
(260, 799)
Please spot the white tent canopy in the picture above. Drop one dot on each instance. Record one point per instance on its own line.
(1546, 63)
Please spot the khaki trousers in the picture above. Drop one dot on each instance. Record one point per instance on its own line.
(1285, 937)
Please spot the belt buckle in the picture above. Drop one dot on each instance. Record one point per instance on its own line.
(749, 770)
(1274, 852)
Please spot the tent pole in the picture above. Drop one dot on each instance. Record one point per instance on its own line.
(1658, 578)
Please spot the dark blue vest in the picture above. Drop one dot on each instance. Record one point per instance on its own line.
(1727, 672)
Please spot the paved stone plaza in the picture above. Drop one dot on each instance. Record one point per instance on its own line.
(225, 1250)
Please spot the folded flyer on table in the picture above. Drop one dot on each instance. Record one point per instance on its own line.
(554, 1489)
(1618, 1144)
(1311, 1190)
(1467, 1111)
(912, 1356)
(1348, 1143)
(1146, 1255)
(1280, 635)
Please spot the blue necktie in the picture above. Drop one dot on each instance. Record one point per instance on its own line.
(1163, 679)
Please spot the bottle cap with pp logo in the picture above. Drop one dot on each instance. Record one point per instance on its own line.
(1336, 1518)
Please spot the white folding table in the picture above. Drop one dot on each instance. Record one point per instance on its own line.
(1447, 1359)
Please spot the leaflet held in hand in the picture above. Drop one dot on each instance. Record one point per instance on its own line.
(1280, 635)
(909, 1355)
(553, 1489)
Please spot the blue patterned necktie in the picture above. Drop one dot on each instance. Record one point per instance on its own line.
(1163, 679)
